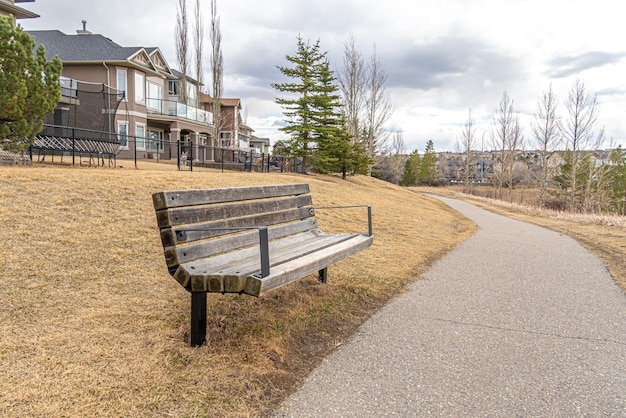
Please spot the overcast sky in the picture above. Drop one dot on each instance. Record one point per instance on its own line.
(442, 57)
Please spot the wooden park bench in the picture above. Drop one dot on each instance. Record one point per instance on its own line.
(246, 240)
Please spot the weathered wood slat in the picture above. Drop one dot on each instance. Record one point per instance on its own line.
(304, 266)
(178, 255)
(170, 239)
(206, 213)
(174, 199)
(232, 271)
(235, 279)
(286, 252)
(215, 267)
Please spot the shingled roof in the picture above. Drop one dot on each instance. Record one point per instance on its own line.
(88, 48)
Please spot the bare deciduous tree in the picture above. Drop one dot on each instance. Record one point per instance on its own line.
(198, 42)
(547, 137)
(468, 142)
(579, 134)
(378, 107)
(182, 46)
(506, 139)
(392, 158)
(217, 71)
(353, 85)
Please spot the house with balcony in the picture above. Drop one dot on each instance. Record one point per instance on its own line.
(234, 133)
(147, 118)
(8, 8)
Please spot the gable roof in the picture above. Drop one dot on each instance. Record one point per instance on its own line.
(98, 48)
(7, 7)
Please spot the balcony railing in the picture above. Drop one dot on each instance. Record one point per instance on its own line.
(174, 108)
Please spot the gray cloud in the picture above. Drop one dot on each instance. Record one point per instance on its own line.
(565, 66)
(448, 60)
(441, 58)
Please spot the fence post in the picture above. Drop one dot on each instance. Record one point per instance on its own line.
(190, 156)
(73, 147)
(178, 153)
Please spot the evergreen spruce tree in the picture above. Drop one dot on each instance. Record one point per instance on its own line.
(337, 150)
(319, 137)
(300, 110)
(428, 172)
(330, 134)
(29, 86)
(411, 169)
(618, 203)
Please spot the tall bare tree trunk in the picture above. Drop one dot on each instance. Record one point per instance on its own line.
(182, 47)
(506, 139)
(547, 136)
(198, 42)
(469, 141)
(378, 107)
(578, 133)
(217, 70)
(353, 85)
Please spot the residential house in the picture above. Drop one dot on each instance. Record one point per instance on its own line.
(147, 118)
(234, 133)
(260, 145)
(8, 8)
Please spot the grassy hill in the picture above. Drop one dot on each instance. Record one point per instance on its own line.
(92, 323)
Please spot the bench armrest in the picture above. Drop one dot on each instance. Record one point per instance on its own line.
(263, 242)
(369, 213)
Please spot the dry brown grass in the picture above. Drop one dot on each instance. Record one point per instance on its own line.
(602, 234)
(92, 323)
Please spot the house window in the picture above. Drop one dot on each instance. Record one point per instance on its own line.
(140, 136)
(173, 87)
(122, 134)
(225, 139)
(155, 140)
(155, 96)
(121, 83)
(191, 93)
(140, 87)
(69, 87)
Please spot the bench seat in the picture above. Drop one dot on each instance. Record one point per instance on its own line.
(291, 258)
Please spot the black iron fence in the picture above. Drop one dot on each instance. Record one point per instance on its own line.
(189, 154)
(70, 145)
(83, 146)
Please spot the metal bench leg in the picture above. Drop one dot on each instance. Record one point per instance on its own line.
(198, 318)
(323, 275)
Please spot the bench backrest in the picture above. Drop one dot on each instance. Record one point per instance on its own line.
(192, 222)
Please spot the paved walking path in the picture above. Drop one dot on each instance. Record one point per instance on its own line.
(516, 321)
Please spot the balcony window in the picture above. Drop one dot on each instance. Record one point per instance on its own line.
(140, 87)
(140, 136)
(122, 134)
(155, 140)
(173, 87)
(155, 96)
(121, 82)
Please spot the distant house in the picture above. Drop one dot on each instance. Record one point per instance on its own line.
(8, 8)
(233, 131)
(260, 145)
(151, 115)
